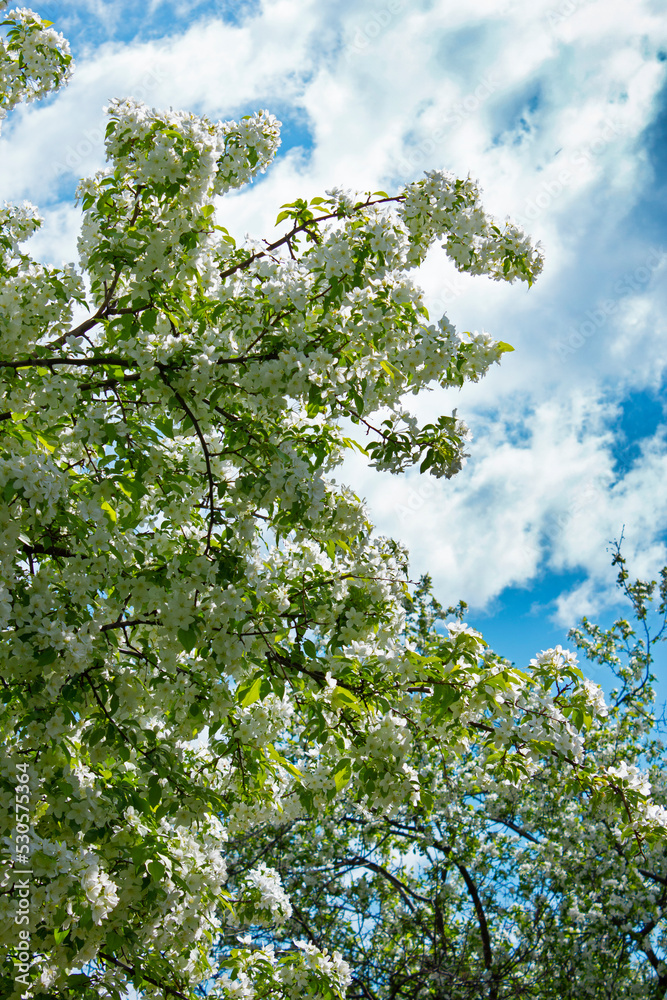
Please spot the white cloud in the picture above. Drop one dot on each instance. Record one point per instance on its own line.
(490, 527)
(63, 222)
(540, 493)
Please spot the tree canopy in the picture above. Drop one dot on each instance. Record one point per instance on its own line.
(244, 754)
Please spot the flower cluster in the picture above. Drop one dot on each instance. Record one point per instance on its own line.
(34, 59)
(443, 205)
(263, 899)
(151, 209)
(291, 974)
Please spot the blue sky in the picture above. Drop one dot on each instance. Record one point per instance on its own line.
(559, 109)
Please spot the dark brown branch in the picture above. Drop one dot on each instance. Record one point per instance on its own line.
(301, 919)
(105, 710)
(298, 228)
(645, 946)
(149, 979)
(481, 916)
(364, 988)
(109, 292)
(124, 624)
(41, 550)
(402, 888)
(655, 878)
(512, 826)
(207, 459)
(105, 359)
(109, 383)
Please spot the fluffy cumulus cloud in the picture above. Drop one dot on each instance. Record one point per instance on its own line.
(542, 490)
(557, 107)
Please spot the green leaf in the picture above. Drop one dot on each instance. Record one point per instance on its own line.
(391, 370)
(46, 656)
(428, 461)
(109, 511)
(165, 425)
(250, 692)
(149, 319)
(114, 941)
(138, 855)
(95, 737)
(49, 447)
(444, 695)
(578, 718)
(156, 869)
(154, 795)
(351, 443)
(78, 981)
(187, 638)
(342, 698)
(342, 773)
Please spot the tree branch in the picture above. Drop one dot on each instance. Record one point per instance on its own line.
(512, 826)
(125, 623)
(149, 979)
(207, 457)
(105, 359)
(299, 228)
(374, 867)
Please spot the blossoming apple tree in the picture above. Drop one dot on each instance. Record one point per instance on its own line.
(203, 640)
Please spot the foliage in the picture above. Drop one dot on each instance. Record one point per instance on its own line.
(502, 890)
(205, 648)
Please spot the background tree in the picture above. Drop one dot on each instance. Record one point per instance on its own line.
(503, 889)
(202, 638)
